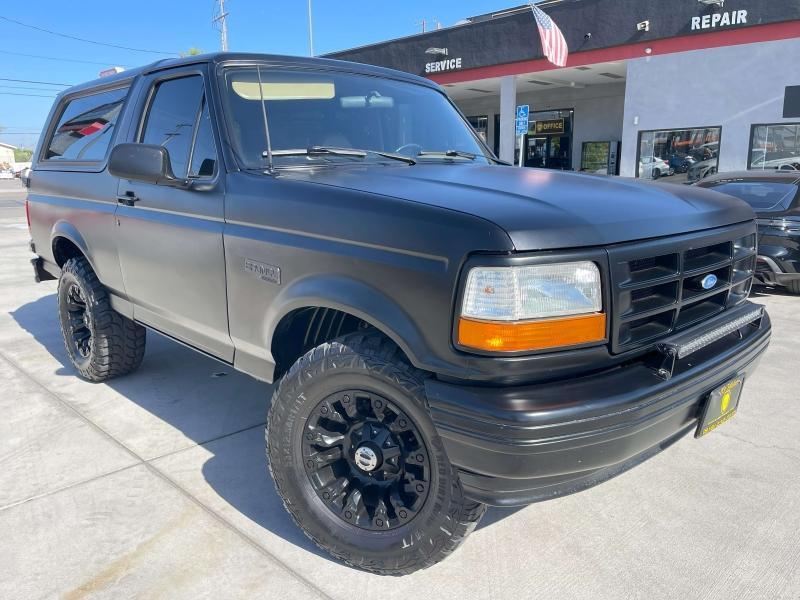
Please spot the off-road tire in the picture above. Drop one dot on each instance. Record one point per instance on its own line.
(116, 346)
(367, 361)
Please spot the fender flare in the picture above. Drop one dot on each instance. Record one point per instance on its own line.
(358, 299)
(68, 231)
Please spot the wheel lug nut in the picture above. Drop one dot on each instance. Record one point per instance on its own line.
(420, 458)
(378, 404)
(403, 514)
(346, 399)
(324, 410)
(326, 495)
(379, 522)
(310, 464)
(402, 423)
(420, 487)
(348, 514)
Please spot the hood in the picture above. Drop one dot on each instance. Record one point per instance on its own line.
(542, 209)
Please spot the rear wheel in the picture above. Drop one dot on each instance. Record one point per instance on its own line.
(358, 462)
(100, 342)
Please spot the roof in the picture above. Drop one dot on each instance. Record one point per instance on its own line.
(271, 60)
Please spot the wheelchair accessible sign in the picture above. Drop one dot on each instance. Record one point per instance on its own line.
(523, 112)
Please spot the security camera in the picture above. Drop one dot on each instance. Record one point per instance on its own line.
(643, 26)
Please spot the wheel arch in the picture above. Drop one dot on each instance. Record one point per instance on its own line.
(353, 302)
(66, 242)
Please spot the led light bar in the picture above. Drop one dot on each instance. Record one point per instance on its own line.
(682, 350)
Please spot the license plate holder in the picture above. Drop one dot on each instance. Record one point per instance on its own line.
(720, 406)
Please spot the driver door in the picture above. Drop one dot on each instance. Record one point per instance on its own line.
(170, 239)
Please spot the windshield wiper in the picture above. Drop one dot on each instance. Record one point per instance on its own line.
(330, 151)
(449, 154)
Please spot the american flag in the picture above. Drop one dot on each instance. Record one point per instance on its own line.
(554, 45)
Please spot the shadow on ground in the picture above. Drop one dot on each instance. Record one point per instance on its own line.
(182, 387)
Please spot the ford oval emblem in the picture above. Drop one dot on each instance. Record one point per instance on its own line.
(709, 281)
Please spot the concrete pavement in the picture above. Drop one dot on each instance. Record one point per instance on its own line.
(156, 486)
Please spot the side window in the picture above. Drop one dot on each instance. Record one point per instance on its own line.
(204, 154)
(86, 126)
(171, 119)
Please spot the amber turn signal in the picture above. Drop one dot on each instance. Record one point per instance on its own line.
(541, 334)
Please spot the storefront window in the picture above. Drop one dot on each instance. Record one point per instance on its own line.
(679, 155)
(481, 125)
(548, 143)
(775, 146)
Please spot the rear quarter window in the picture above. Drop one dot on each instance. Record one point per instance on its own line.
(85, 127)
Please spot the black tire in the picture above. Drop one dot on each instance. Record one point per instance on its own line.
(100, 342)
(656, 173)
(794, 286)
(365, 363)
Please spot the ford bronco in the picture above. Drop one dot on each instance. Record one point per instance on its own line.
(445, 331)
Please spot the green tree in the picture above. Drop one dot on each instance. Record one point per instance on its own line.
(22, 155)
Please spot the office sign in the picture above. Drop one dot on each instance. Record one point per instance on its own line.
(549, 126)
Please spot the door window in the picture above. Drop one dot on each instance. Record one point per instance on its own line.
(178, 120)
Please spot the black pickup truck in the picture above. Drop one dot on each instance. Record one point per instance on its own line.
(445, 331)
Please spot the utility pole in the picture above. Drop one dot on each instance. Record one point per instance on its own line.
(219, 20)
(310, 31)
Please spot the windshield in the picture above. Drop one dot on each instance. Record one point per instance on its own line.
(761, 195)
(307, 109)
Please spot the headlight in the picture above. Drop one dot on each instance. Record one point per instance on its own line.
(513, 309)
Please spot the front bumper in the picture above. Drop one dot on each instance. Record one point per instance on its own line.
(517, 445)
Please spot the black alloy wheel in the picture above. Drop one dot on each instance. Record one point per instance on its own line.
(366, 460)
(79, 322)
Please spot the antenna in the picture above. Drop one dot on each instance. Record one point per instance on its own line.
(219, 21)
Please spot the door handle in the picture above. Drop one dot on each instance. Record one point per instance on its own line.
(128, 199)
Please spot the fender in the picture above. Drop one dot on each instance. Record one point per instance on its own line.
(67, 230)
(347, 295)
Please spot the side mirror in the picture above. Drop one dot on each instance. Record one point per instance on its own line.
(143, 162)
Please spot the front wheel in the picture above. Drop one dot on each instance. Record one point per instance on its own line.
(100, 342)
(358, 462)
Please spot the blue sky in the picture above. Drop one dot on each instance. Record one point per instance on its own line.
(277, 26)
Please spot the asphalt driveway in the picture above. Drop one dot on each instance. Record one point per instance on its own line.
(156, 486)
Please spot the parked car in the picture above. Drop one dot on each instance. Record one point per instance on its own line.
(775, 197)
(6, 174)
(653, 167)
(681, 163)
(702, 169)
(784, 159)
(445, 331)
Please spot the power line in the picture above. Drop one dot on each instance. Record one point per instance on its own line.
(80, 39)
(73, 60)
(24, 87)
(20, 133)
(26, 95)
(39, 82)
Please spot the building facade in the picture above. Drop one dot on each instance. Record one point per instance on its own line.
(674, 90)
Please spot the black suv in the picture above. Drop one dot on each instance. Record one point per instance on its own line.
(445, 331)
(775, 197)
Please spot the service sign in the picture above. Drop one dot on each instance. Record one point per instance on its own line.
(440, 66)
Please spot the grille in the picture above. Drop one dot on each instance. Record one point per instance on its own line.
(658, 284)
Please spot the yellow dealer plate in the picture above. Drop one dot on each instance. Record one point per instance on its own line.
(720, 407)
